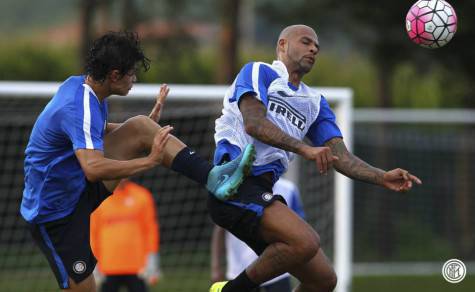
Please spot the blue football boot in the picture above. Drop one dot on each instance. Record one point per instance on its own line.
(225, 179)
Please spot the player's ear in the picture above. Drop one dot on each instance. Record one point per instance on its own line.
(115, 75)
(281, 45)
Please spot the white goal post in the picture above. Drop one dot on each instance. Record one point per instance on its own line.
(342, 103)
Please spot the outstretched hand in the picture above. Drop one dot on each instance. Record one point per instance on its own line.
(399, 180)
(160, 101)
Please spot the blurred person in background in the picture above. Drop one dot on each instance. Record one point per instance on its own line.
(125, 239)
(239, 255)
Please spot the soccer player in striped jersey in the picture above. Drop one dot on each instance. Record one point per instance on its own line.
(269, 106)
(75, 158)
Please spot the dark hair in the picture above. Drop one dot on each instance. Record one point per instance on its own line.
(115, 51)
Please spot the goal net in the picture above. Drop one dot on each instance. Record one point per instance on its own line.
(181, 204)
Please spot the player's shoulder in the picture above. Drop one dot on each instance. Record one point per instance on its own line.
(71, 89)
(262, 66)
(63, 103)
(72, 84)
(252, 63)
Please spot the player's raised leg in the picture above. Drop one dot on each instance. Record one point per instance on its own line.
(135, 137)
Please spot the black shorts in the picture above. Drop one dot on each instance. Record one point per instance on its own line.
(66, 242)
(242, 214)
(133, 283)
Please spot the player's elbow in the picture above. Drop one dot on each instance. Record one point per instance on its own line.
(92, 178)
(251, 127)
(91, 174)
(92, 164)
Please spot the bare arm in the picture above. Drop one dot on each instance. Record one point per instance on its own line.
(97, 167)
(353, 167)
(217, 254)
(258, 126)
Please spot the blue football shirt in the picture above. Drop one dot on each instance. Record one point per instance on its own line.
(54, 180)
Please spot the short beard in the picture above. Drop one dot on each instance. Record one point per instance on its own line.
(297, 64)
(303, 69)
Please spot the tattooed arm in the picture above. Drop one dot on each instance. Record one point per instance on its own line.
(258, 126)
(353, 167)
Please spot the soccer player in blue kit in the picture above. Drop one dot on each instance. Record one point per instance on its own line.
(269, 106)
(75, 158)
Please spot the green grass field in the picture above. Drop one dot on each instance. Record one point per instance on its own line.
(183, 281)
(433, 283)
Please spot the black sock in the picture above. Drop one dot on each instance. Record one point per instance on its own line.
(190, 164)
(241, 283)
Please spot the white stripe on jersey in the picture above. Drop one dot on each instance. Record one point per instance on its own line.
(86, 126)
(255, 79)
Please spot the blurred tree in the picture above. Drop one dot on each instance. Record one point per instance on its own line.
(129, 14)
(27, 61)
(228, 40)
(175, 49)
(87, 8)
(103, 17)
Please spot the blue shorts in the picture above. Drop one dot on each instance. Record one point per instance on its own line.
(241, 215)
(66, 241)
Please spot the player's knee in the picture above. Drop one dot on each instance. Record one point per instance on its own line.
(140, 122)
(330, 282)
(307, 246)
(322, 283)
(141, 127)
